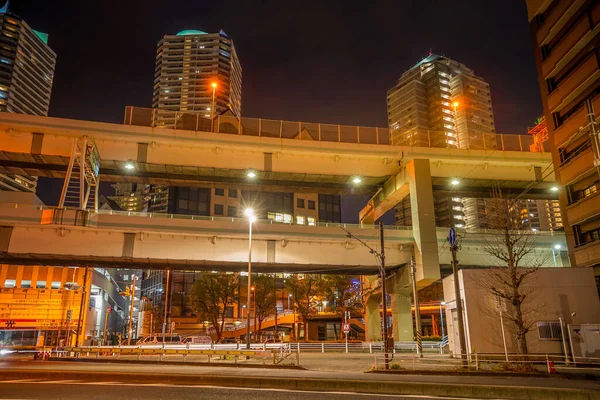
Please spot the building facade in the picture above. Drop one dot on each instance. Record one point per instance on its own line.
(441, 103)
(27, 66)
(129, 196)
(566, 41)
(187, 64)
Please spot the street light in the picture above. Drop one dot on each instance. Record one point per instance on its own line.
(212, 109)
(129, 165)
(455, 182)
(249, 213)
(554, 188)
(251, 174)
(557, 248)
(356, 180)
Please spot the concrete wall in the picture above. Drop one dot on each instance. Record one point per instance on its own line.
(553, 293)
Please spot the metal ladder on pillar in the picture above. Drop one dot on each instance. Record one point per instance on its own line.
(80, 187)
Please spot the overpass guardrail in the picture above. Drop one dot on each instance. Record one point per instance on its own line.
(260, 127)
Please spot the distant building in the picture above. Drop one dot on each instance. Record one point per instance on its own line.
(441, 103)
(26, 74)
(186, 66)
(129, 196)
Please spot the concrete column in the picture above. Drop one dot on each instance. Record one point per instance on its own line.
(423, 221)
(402, 314)
(373, 318)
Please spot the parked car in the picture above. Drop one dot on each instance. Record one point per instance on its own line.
(197, 340)
(159, 339)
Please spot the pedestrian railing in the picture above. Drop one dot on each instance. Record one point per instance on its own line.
(260, 351)
(361, 347)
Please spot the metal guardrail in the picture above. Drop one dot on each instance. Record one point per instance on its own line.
(224, 124)
(244, 220)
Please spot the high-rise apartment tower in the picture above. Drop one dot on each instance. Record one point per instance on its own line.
(187, 64)
(26, 74)
(441, 103)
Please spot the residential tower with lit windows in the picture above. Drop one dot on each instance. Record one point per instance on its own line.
(26, 74)
(187, 65)
(441, 103)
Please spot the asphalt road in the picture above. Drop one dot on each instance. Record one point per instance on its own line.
(28, 389)
(149, 369)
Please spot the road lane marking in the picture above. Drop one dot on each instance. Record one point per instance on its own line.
(167, 385)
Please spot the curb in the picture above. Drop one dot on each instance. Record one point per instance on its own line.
(355, 386)
(157, 362)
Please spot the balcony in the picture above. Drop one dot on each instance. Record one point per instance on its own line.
(564, 47)
(564, 132)
(572, 86)
(576, 167)
(587, 255)
(585, 208)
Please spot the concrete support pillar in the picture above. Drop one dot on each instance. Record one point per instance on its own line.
(402, 314)
(373, 318)
(423, 221)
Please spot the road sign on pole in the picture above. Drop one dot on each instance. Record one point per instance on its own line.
(346, 328)
(452, 236)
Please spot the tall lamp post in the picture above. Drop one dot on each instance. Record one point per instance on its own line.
(251, 218)
(212, 108)
(380, 255)
(555, 249)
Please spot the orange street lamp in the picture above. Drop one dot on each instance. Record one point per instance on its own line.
(212, 109)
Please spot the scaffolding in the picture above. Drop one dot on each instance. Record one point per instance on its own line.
(540, 134)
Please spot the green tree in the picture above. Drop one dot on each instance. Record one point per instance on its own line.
(211, 295)
(305, 291)
(266, 298)
(342, 295)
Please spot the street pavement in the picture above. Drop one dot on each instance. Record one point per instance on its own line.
(33, 389)
(17, 367)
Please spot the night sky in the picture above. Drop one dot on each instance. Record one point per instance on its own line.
(321, 61)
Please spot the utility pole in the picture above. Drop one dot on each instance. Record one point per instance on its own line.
(108, 310)
(413, 273)
(383, 297)
(166, 315)
(381, 266)
(81, 306)
(452, 239)
(131, 310)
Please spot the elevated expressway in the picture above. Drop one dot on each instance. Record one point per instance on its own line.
(41, 146)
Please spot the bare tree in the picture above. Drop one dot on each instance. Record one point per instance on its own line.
(305, 291)
(514, 250)
(212, 294)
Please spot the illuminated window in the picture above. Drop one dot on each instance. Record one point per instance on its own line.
(10, 283)
(300, 220)
(311, 221)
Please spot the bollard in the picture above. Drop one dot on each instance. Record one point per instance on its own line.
(547, 363)
(371, 348)
(476, 361)
(375, 363)
(322, 347)
(298, 346)
(298, 359)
